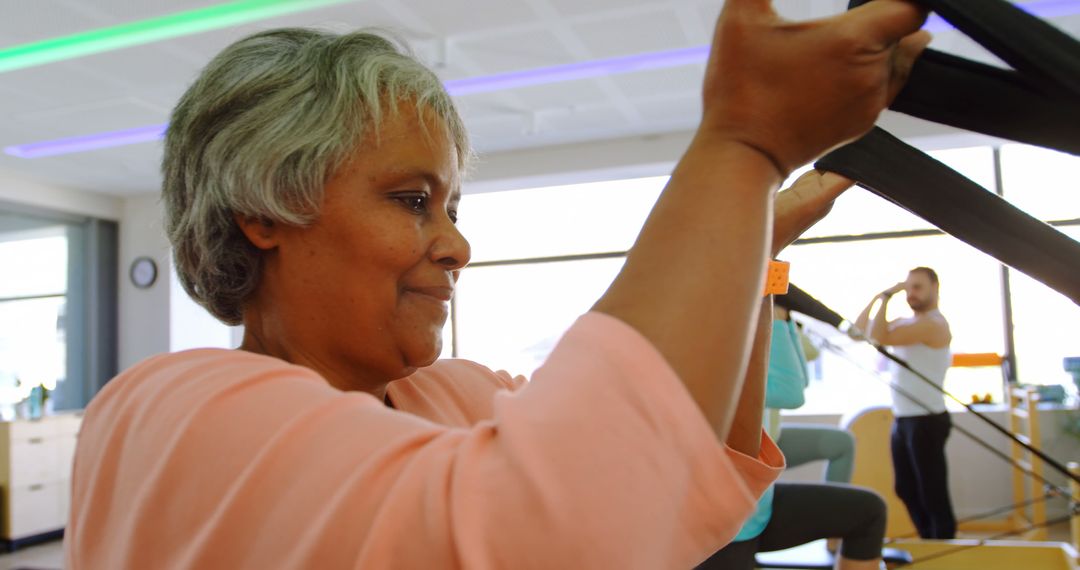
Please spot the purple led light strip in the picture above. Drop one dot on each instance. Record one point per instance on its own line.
(458, 87)
(499, 82)
(582, 70)
(87, 142)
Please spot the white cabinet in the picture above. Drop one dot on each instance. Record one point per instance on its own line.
(35, 474)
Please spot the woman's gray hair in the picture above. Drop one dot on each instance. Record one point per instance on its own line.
(259, 133)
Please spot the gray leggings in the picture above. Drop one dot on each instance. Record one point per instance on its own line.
(805, 512)
(803, 443)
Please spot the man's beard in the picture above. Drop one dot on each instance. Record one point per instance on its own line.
(918, 304)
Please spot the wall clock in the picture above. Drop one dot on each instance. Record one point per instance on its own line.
(143, 272)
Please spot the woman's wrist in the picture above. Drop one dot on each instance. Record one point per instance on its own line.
(722, 142)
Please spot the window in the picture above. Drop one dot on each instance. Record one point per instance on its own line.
(560, 220)
(57, 307)
(510, 315)
(512, 306)
(1043, 183)
(1046, 325)
(33, 298)
(847, 275)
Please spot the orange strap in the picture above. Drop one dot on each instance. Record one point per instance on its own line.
(971, 360)
(776, 278)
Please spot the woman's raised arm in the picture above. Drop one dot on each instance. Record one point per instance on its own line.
(776, 95)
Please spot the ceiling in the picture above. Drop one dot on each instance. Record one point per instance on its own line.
(137, 86)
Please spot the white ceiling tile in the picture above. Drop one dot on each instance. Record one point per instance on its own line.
(133, 10)
(137, 86)
(93, 117)
(568, 94)
(141, 68)
(58, 85)
(501, 54)
(673, 80)
(338, 18)
(447, 18)
(676, 111)
(651, 32)
(709, 12)
(40, 20)
(578, 7)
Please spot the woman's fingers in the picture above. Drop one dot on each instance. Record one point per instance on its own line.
(883, 23)
(792, 90)
(820, 186)
(803, 204)
(908, 50)
(749, 7)
(833, 184)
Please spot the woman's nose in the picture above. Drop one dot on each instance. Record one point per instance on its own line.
(451, 249)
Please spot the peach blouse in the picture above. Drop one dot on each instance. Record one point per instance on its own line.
(226, 459)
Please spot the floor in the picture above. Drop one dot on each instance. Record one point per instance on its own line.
(50, 556)
(47, 556)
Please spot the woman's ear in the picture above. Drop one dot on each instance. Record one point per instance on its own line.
(262, 233)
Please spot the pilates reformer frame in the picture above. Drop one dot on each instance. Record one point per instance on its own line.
(1036, 102)
(1026, 459)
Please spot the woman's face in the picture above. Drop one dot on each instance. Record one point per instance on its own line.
(363, 293)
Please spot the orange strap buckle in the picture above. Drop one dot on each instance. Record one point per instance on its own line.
(776, 278)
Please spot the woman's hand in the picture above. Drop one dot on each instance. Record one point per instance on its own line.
(803, 204)
(793, 90)
(777, 94)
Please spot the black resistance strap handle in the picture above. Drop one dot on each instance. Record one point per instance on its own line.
(1036, 102)
(927, 188)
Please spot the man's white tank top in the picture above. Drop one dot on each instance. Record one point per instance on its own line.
(932, 363)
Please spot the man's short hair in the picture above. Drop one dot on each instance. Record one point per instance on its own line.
(930, 273)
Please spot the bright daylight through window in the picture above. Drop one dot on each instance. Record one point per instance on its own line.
(542, 256)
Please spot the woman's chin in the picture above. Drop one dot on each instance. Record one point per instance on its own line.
(425, 355)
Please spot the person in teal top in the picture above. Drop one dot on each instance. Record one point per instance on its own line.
(784, 389)
(790, 514)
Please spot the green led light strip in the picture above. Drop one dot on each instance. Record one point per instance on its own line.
(152, 30)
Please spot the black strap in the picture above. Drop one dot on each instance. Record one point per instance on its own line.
(916, 182)
(801, 302)
(1036, 102)
(812, 307)
(998, 102)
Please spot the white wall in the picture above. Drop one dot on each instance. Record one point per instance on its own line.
(144, 318)
(18, 190)
(162, 318)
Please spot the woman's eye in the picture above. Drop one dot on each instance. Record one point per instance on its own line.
(415, 202)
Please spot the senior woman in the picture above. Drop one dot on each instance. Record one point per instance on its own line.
(311, 187)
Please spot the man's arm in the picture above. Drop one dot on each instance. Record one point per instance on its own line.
(879, 327)
(862, 323)
(928, 331)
